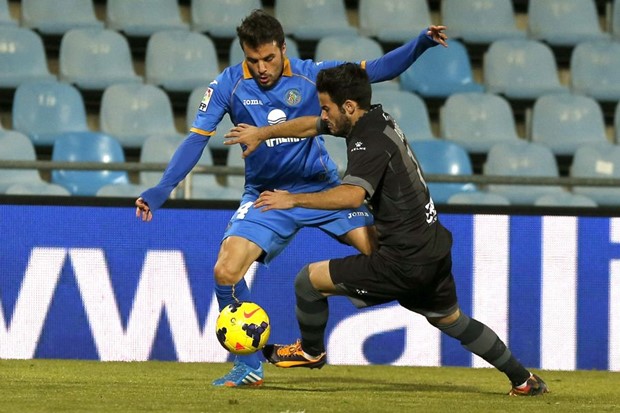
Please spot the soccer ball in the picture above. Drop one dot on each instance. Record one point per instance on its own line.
(243, 328)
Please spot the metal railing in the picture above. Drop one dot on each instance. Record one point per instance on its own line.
(228, 170)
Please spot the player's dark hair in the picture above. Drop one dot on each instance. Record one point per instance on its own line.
(345, 82)
(259, 28)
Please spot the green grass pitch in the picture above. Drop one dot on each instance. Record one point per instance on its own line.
(91, 386)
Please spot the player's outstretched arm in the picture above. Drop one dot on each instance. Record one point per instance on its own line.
(252, 136)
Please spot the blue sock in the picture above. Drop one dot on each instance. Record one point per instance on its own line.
(228, 294)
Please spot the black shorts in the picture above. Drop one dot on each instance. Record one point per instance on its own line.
(367, 280)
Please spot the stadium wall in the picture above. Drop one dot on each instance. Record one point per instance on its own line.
(87, 280)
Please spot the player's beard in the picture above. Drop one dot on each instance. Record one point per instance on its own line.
(341, 126)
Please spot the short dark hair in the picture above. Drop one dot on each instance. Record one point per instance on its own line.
(259, 28)
(347, 81)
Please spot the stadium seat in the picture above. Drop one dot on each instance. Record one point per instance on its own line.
(521, 159)
(180, 60)
(313, 19)
(42, 109)
(132, 111)
(409, 111)
(220, 18)
(5, 14)
(22, 57)
(54, 18)
(234, 159)
(563, 22)
(393, 21)
(480, 21)
(236, 55)
(37, 188)
(349, 48)
(521, 69)
(87, 147)
(565, 199)
(15, 146)
(142, 18)
(440, 72)
(477, 198)
(563, 122)
(600, 160)
(122, 190)
(94, 59)
(617, 124)
(594, 70)
(444, 158)
(477, 121)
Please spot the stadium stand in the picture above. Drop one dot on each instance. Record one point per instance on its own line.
(220, 18)
(142, 18)
(409, 111)
(393, 21)
(122, 190)
(37, 188)
(597, 160)
(313, 19)
(5, 15)
(478, 198)
(347, 47)
(565, 199)
(22, 57)
(594, 70)
(16, 146)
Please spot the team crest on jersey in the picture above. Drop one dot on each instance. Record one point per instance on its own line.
(205, 100)
(293, 97)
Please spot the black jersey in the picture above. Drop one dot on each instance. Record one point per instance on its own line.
(381, 162)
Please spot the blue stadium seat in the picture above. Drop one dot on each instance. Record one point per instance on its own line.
(132, 111)
(87, 147)
(480, 21)
(594, 70)
(122, 190)
(409, 111)
(180, 60)
(313, 19)
(477, 121)
(393, 21)
(37, 188)
(477, 198)
(563, 22)
(236, 55)
(54, 18)
(440, 72)
(142, 18)
(615, 19)
(565, 199)
(600, 160)
(16, 146)
(347, 47)
(94, 59)
(220, 18)
(521, 69)
(22, 57)
(5, 14)
(522, 159)
(564, 122)
(444, 158)
(43, 109)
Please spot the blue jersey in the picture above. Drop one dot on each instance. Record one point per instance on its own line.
(294, 164)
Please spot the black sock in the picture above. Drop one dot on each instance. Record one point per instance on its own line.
(312, 313)
(482, 341)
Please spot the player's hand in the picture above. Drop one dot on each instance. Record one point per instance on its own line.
(143, 211)
(249, 135)
(276, 199)
(438, 35)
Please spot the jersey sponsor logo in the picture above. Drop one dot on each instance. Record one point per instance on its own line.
(292, 97)
(205, 100)
(358, 146)
(252, 102)
(273, 118)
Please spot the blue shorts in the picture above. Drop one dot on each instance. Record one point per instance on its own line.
(273, 230)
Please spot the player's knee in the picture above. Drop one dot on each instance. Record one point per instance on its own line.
(226, 273)
(304, 287)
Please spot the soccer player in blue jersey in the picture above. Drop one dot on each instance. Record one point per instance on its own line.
(267, 88)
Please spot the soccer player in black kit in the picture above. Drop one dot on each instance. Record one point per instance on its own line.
(412, 260)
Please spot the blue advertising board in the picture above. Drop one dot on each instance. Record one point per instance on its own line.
(93, 282)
